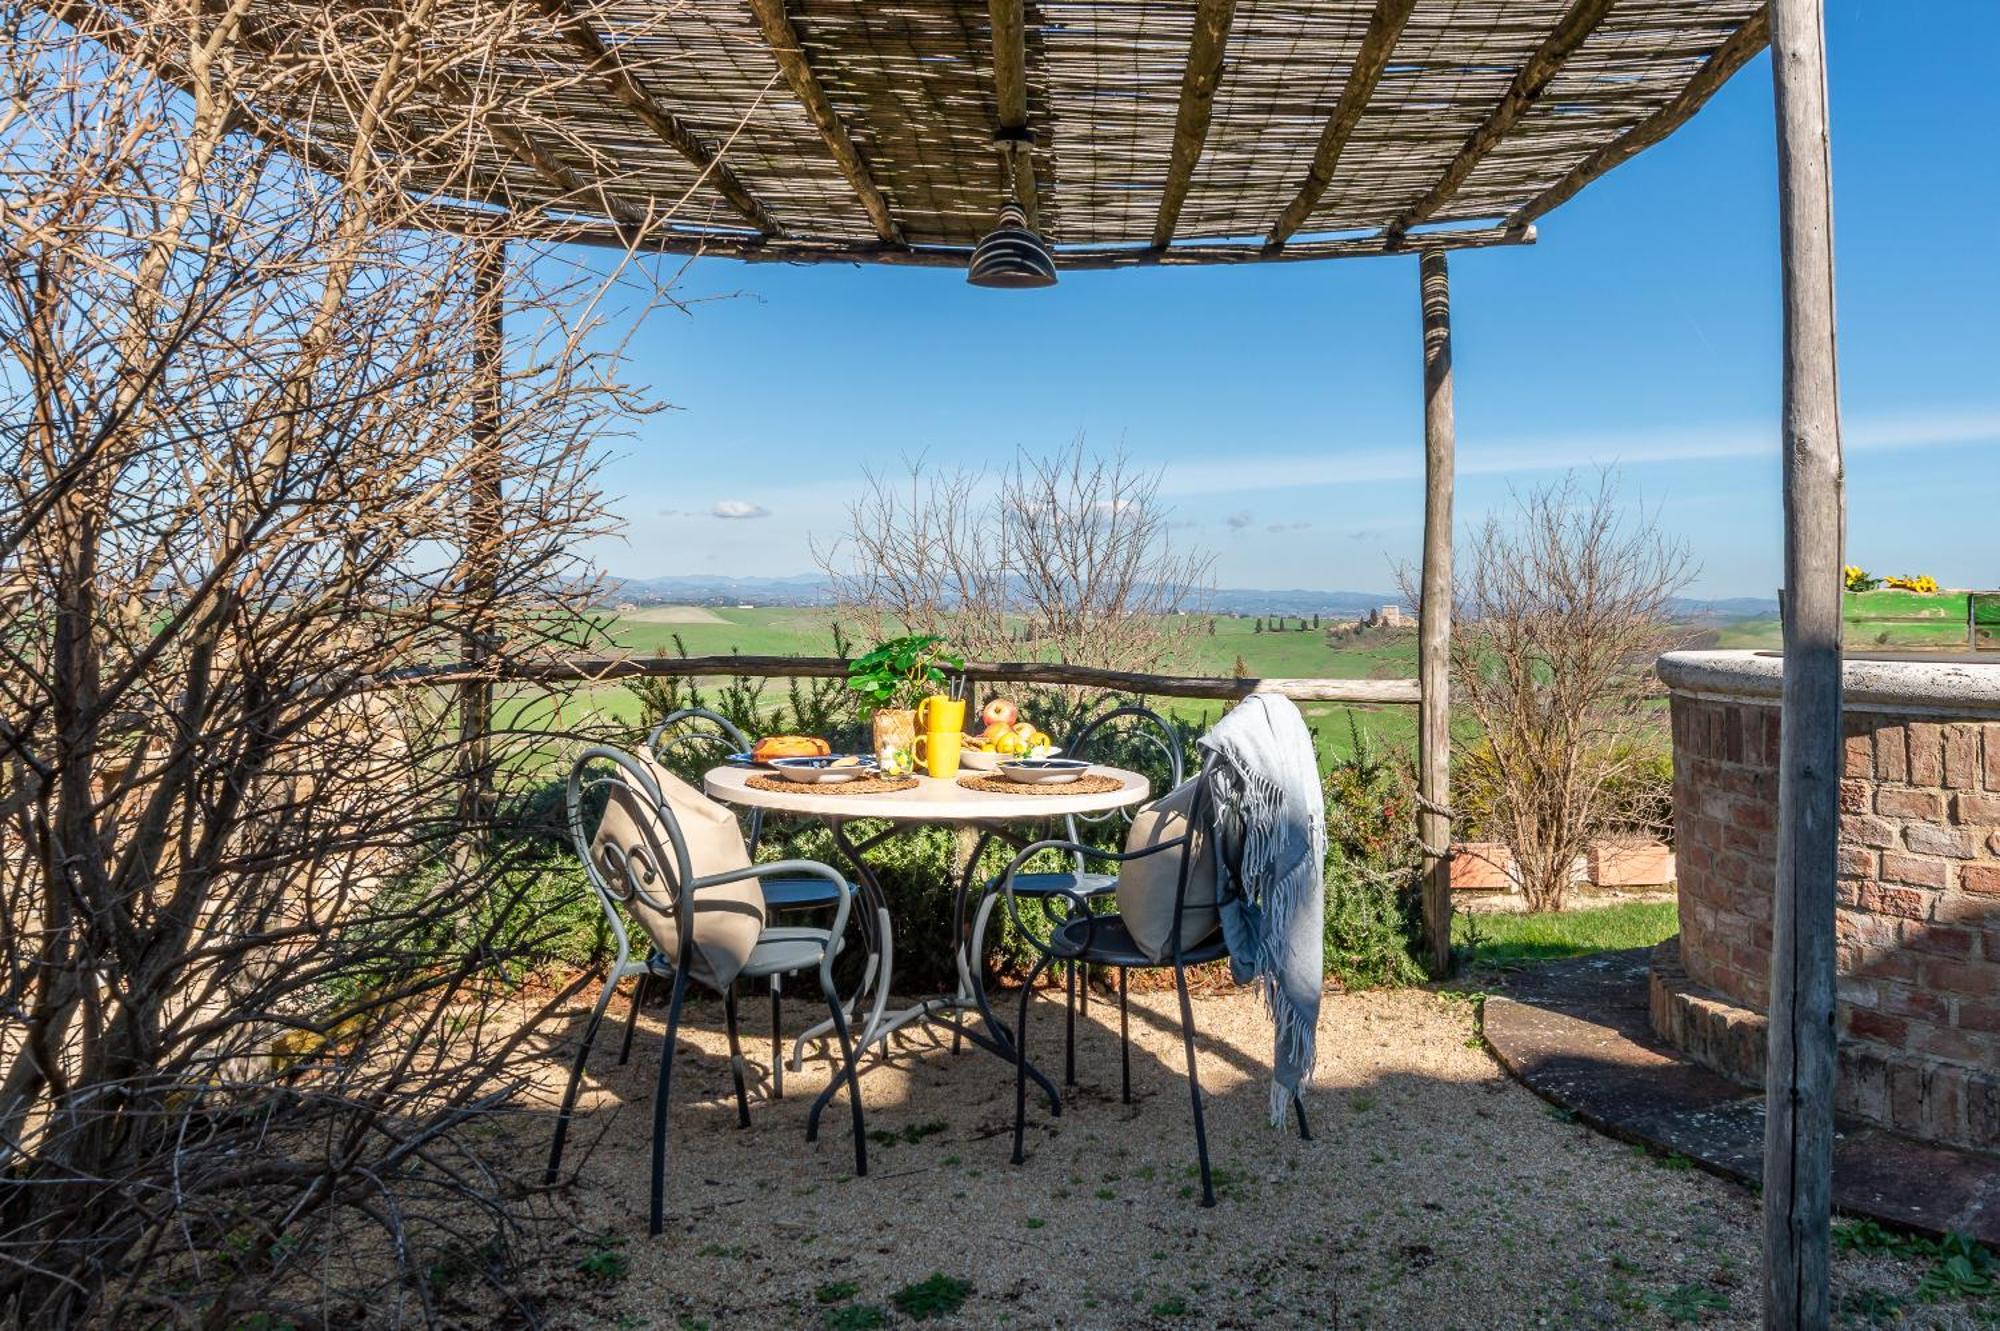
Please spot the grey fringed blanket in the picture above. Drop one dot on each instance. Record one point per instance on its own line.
(1270, 826)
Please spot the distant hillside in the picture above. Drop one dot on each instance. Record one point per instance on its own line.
(810, 589)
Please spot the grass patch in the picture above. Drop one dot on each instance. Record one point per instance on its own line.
(856, 1317)
(909, 1134)
(939, 1296)
(1517, 940)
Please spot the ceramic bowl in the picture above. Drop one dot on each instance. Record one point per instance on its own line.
(1043, 771)
(979, 760)
(832, 769)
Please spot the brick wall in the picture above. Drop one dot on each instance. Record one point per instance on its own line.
(1918, 916)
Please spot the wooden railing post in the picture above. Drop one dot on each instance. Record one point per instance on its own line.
(484, 532)
(1800, 1070)
(1434, 616)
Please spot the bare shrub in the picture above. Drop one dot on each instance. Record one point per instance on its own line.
(1067, 557)
(247, 951)
(1560, 610)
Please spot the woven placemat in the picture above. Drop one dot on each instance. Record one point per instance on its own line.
(1083, 785)
(868, 785)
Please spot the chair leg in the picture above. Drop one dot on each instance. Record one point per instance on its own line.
(1021, 1062)
(576, 1078)
(657, 1219)
(777, 1042)
(1124, 1039)
(850, 1070)
(1194, 1086)
(1069, 1024)
(736, 1058)
(632, 1017)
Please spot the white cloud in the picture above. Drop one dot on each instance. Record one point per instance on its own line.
(1249, 473)
(739, 508)
(1300, 525)
(1239, 520)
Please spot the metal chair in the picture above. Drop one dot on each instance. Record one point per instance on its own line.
(658, 874)
(716, 737)
(1135, 724)
(1086, 939)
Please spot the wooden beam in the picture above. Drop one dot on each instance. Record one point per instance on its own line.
(1434, 614)
(754, 249)
(1529, 83)
(1741, 47)
(1010, 94)
(634, 97)
(570, 184)
(1198, 84)
(783, 38)
(1800, 1067)
(1385, 27)
(599, 669)
(484, 530)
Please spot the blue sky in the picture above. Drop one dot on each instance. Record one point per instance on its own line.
(1641, 332)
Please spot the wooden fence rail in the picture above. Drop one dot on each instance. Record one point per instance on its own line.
(605, 669)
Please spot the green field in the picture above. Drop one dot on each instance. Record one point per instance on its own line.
(801, 631)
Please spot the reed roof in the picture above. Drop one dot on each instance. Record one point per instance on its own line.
(1148, 130)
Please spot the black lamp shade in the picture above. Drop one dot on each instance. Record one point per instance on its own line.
(1011, 255)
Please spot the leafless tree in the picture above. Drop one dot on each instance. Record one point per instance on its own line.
(1561, 608)
(248, 954)
(1067, 557)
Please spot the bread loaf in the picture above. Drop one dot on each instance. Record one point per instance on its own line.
(789, 746)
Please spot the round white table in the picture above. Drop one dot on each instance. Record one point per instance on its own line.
(930, 801)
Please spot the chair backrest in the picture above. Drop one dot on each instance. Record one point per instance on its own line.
(650, 872)
(1130, 727)
(1115, 737)
(711, 737)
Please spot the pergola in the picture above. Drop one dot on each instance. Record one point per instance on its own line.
(1167, 132)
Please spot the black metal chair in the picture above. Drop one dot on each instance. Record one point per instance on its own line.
(715, 737)
(1087, 939)
(657, 874)
(1138, 727)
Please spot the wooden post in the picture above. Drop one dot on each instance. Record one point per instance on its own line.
(483, 529)
(1798, 1126)
(1434, 615)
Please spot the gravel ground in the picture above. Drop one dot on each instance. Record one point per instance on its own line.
(1436, 1193)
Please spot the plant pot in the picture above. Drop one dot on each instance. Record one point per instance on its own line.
(895, 727)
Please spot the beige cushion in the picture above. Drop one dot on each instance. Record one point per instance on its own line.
(728, 919)
(1146, 887)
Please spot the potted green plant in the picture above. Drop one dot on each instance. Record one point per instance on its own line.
(892, 679)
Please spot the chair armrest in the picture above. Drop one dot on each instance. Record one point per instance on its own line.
(792, 868)
(1078, 905)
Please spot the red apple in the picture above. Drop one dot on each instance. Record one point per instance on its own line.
(1000, 712)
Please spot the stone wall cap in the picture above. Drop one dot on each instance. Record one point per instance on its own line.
(1968, 689)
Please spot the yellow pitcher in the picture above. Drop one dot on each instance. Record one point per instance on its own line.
(938, 713)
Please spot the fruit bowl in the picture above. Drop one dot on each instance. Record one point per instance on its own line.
(1043, 771)
(980, 760)
(833, 769)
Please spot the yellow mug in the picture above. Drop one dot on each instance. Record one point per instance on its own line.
(938, 712)
(937, 750)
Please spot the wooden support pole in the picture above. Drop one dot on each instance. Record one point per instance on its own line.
(484, 530)
(782, 35)
(1800, 1069)
(1434, 615)
(1010, 98)
(1197, 107)
(1530, 82)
